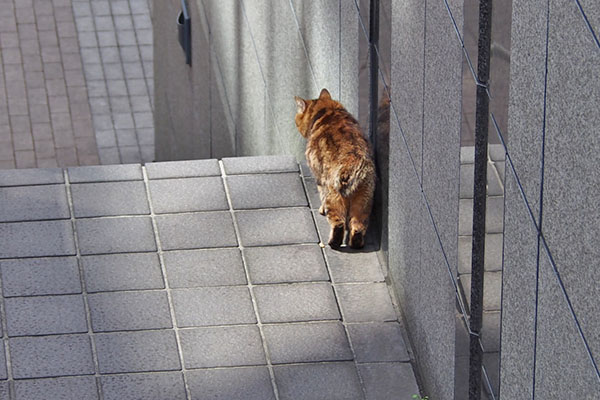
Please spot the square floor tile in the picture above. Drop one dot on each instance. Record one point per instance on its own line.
(206, 267)
(115, 235)
(141, 351)
(296, 302)
(212, 347)
(213, 306)
(109, 198)
(248, 383)
(188, 194)
(307, 342)
(36, 239)
(45, 356)
(266, 191)
(122, 272)
(45, 315)
(40, 276)
(280, 226)
(281, 264)
(198, 230)
(332, 381)
(128, 311)
(31, 203)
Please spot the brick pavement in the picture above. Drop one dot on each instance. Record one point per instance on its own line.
(45, 118)
(75, 82)
(166, 282)
(116, 49)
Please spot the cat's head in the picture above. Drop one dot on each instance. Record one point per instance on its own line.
(307, 111)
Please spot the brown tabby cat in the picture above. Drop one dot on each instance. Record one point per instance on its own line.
(340, 159)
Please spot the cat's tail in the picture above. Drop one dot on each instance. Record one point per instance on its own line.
(349, 177)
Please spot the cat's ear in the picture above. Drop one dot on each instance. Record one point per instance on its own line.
(300, 105)
(325, 94)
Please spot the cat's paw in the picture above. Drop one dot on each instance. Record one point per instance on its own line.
(357, 240)
(322, 210)
(336, 237)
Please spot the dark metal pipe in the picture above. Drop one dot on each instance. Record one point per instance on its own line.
(373, 71)
(479, 197)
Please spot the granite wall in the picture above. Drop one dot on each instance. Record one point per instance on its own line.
(553, 184)
(249, 59)
(423, 187)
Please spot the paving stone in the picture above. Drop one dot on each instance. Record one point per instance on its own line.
(188, 194)
(265, 191)
(292, 343)
(365, 302)
(347, 265)
(377, 342)
(331, 381)
(66, 388)
(141, 351)
(281, 226)
(282, 264)
(211, 267)
(4, 391)
(213, 306)
(115, 235)
(128, 311)
(109, 198)
(492, 289)
(122, 272)
(260, 164)
(22, 177)
(40, 276)
(45, 315)
(296, 302)
(212, 347)
(46, 356)
(36, 239)
(202, 230)
(247, 383)
(155, 386)
(322, 226)
(312, 193)
(493, 252)
(105, 173)
(383, 381)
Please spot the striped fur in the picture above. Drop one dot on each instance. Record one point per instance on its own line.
(340, 159)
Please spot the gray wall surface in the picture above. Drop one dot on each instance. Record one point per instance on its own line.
(249, 61)
(426, 95)
(553, 143)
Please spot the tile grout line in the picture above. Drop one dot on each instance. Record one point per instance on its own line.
(125, 79)
(107, 97)
(84, 293)
(333, 287)
(5, 344)
(166, 283)
(3, 81)
(250, 285)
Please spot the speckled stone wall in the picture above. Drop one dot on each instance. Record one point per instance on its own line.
(249, 61)
(424, 169)
(553, 142)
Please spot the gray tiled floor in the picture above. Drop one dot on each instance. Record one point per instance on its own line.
(116, 50)
(108, 300)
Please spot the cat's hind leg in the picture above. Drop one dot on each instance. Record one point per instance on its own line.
(361, 202)
(337, 210)
(322, 196)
